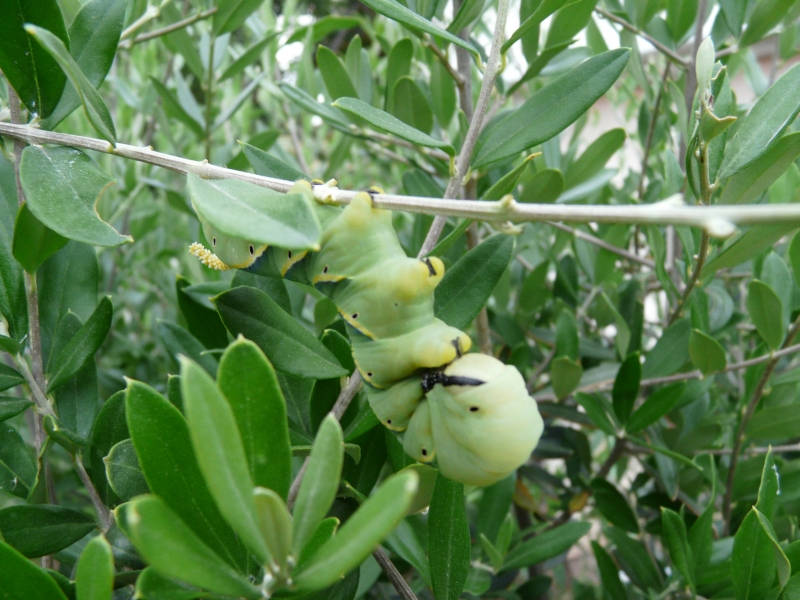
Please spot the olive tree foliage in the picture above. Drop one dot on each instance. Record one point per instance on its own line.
(172, 432)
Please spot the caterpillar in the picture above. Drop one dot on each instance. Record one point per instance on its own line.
(470, 413)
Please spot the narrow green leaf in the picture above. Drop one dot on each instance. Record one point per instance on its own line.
(550, 110)
(508, 182)
(766, 311)
(275, 524)
(782, 563)
(595, 407)
(93, 105)
(764, 125)
(94, 579)
(249, 56)
(398, 12)
(595, 157)
(310, 104)
(18, 467)
(544, 10)
(774, 423)
(670, 352)
(9, 377)
(765, 15)
(174, 109)
(123, 471)
(753, 242)
(289, 346)
(93, 38)
(20, 579)
(62, 186)
(251, 386)
(34, 242)
(411, 106)
(565, 375)
(174, 550)
(448, 539)
(11, 406)
(162, 441)
(31, 71)
(609, 573)
(41, 529)
(706, 353)
(654, 407)
(334, 74)
(320, 482)
(323, 27)
(678, 544)
(231, 14)
(265, 164)
(467, 13)
(613, 505)
(546, 545)
(360, 534)
(746, 186)
(249, 212)
(180, 342)
(793, 255)
(544, 187)
(634, 559)
(467, 285)
(753, 565)
(443, 93)
(385, 122)
(82, 346)
(626, 387)
(220, 454)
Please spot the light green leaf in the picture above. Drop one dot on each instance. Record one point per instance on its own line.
(508, 182)
(220, 454)
(411, 106)
(398, 65)
(275, 524)
(251, 386)
(546, 545)
(93, 105)
(544, 10)
(753, 565)
(753, 242)
(550, 110)
(323, 27)
(763, 126)
(334, 74)
(565, 375)
(232, 13)
(265, 164)
(249, 56)
(766, 311)
(63, 187)
(595, 157)
(20, 579)
(34, 242)
(320, 482)
(309, 103)
(174, 550)
(364, 530)
(748, 184)
(782, 563)
(544, 187)
(398, 12)
(249, 212)
(94, 579)
(385, 122)
(706, 352)
(765, 15)
(82, 347)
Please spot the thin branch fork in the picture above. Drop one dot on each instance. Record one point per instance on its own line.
(672, 55)
(127, 43)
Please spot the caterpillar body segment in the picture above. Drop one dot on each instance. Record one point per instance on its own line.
(469, 412)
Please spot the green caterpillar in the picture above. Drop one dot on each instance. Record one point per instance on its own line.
(469, 412)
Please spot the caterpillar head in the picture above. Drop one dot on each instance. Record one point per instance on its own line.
(226, 252)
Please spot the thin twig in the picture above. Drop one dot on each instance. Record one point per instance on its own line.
(442, 58)
(462, 162)
(210, 94)
(758, 392)
(673, 56)
(662, 213)
(698, 268)
(102, 510)
(291, 124)
(394, 575)
(42, 402)
(587, 237)
(127, 43)
(650, 131)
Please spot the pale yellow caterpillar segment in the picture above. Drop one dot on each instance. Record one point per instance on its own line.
(207, 257)
(292, 258)
(352, 319)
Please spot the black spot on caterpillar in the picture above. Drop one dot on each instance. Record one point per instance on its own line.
(468, 412)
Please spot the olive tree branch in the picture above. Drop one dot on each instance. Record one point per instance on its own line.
(127, 43)
(668, 212)
(673, 56)
(758, 392)
(442, 58)
(490, 73)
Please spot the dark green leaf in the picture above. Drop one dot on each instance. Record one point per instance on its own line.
(544, 10)
(706, 353)
(613, 505)
(550, 110)
(40, 529)
(334, 74)
(411, 106)
(678, 544)
(764, 125)
(609, 573)
(82, 347)
(9, 377)
(626, 387)
(753, 564)
(123, 471)
(93, 105)
(654, 407)
(595, 157)
(289, 346)
(448, 539)
(467, 285)
(766, 311)
(544, 187)
(670, 352)
(753, 242)
(546, 545)
(265, 164)
(34, 242)
(31, 71)
(595, 407)
(11, 406)
(565, 375)
(18, 469)
(180, 342)
(20, 579)
(385, 122)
